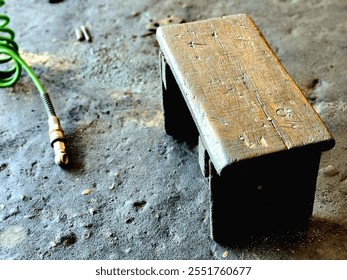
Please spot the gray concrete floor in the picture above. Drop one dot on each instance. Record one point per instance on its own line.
(148, 198)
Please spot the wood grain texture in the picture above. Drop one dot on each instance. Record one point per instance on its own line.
(243, 101)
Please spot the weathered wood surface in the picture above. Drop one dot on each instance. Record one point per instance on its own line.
(243, 101)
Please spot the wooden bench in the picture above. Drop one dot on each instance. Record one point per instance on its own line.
(259, 139)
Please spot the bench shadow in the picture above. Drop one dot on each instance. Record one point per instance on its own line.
(320, 240)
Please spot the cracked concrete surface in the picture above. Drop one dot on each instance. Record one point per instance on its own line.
(146, 197)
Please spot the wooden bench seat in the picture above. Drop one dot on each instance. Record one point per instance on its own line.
(223, 85)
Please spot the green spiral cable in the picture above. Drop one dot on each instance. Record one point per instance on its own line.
(10, 57)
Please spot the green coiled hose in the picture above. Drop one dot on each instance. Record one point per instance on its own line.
(10, 57)
(9, 49)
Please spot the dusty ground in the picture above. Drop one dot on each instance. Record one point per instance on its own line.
(148, 199)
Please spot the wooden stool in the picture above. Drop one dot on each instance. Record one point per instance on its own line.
(259, 139)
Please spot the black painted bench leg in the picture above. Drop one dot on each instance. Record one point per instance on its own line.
(247, 202)
(177, 118)
(224, 226)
